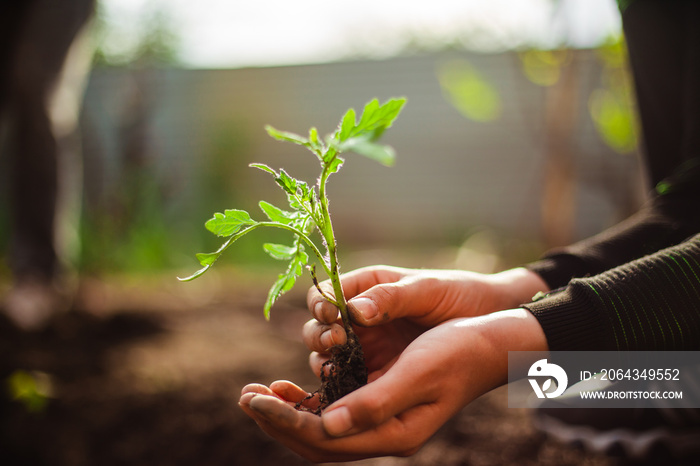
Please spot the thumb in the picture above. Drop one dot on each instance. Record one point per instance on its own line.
(374, 404)
(411, 297)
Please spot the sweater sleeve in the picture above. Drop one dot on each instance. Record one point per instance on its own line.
(652, 303)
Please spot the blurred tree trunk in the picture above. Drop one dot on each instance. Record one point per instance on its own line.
(558, 214)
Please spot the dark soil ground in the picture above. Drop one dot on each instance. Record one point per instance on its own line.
(149, 373)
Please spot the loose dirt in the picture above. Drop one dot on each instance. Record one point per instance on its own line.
(148, 372)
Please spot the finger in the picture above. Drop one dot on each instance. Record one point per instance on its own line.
(303, 432)
(249, 392)
(322, 309)
(295, 394)
(256, 388)
(354, 282)
(316, 361)
(300, 431)
(322, 337)
(400, 389)
(364, 278)
(270, 409)
(412, 296)
(289, 391)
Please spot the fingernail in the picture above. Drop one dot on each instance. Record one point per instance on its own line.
(337, 422)
(365, 306)
(246, 398)
(254, 404)
(318, 309)
(270, 408)
(327, 339)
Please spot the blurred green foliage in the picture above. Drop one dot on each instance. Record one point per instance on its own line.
(31, 389)
(469, 91)
(543, 67)
(611, 105)
(144, 40)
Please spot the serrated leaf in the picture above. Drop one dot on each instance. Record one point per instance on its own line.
(360, 137)
(331, 152)
(368, 113)
(229, 222)
(287, 136)
(264, 168)
(336, 164)
(276, 214)
(376, 118)
(347, 124)
(288, 183)
(303, 190)
(276, 291)
(381, 153)
(302, 260)
(286, 281)
(208, 259)
(315, 142)
(298, 192)
(280, 251)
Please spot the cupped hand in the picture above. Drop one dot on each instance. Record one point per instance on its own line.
(398, 411)
(392, 306)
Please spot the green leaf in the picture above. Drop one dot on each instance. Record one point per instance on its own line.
(276, 214)
(376, 118)
(315, 142)
(198, 273)
(287, 136)
(303, 191)
(378, 152)
(336, 164)
(332, 151)
(298, 192)
(229, 222)
(207, 258)
(286, 281)
(264, 168)
(283, 281)
(288, 183)
(347, 124)
(280, 251)
(359, 137)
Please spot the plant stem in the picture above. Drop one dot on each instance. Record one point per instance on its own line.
(331, 245)
(296, 231)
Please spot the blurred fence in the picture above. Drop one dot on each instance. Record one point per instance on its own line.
(189, 135)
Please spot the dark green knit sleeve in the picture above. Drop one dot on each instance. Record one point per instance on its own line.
(652, 303)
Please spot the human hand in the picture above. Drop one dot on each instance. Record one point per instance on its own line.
(397, 304)
(408, 399)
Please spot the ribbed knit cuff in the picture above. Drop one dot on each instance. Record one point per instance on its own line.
(569, 320)
(547, 270)
(558, 268)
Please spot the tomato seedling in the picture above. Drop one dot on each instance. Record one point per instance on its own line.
(309, 212)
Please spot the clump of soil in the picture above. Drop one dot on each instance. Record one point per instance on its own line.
(343, 373)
